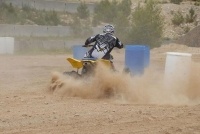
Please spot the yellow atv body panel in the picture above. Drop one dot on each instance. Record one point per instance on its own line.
(75, 63)
(79, 63)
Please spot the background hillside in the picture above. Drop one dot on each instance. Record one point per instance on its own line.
(79, 19)
(29, 15)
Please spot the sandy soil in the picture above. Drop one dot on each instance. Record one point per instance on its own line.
(140, 105)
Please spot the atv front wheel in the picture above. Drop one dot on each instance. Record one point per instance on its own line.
(73, 74)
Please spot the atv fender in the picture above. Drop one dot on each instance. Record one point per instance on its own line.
(75, 63)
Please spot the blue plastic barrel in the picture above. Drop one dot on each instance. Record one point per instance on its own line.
(146, 56)
(79, 52)
(135, 59)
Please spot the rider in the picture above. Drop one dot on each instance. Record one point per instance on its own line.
(104, 44)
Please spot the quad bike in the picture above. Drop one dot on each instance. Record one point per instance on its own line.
(86, 65)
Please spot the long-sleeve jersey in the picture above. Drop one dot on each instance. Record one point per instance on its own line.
(104, 44)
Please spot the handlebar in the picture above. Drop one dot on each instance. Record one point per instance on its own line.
(87, 46)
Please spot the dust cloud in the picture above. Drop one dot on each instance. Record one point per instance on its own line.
(150, 88)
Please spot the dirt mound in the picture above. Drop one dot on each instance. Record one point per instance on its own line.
(191, 39)
(175, 48)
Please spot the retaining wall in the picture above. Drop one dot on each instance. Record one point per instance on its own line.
(38, 31)
(34, 44)
(50, 5)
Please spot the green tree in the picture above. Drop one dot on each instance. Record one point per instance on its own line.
(106, 11)
(81, 28)
(86, 29)
(121, 21)
(83, 11)
(177, 18)
(52, 18)
(121, 26)
(191, 17)
(176, 1)
(75, 26)
(147, 25)
(114, 12)
(125, 7)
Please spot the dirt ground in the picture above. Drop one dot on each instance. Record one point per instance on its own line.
(140, 105)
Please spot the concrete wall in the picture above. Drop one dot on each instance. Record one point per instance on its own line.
(29, 44)
(49, 5)
(38, 31)
(31, 30)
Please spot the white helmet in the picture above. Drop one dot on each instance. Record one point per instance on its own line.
(108, 29)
